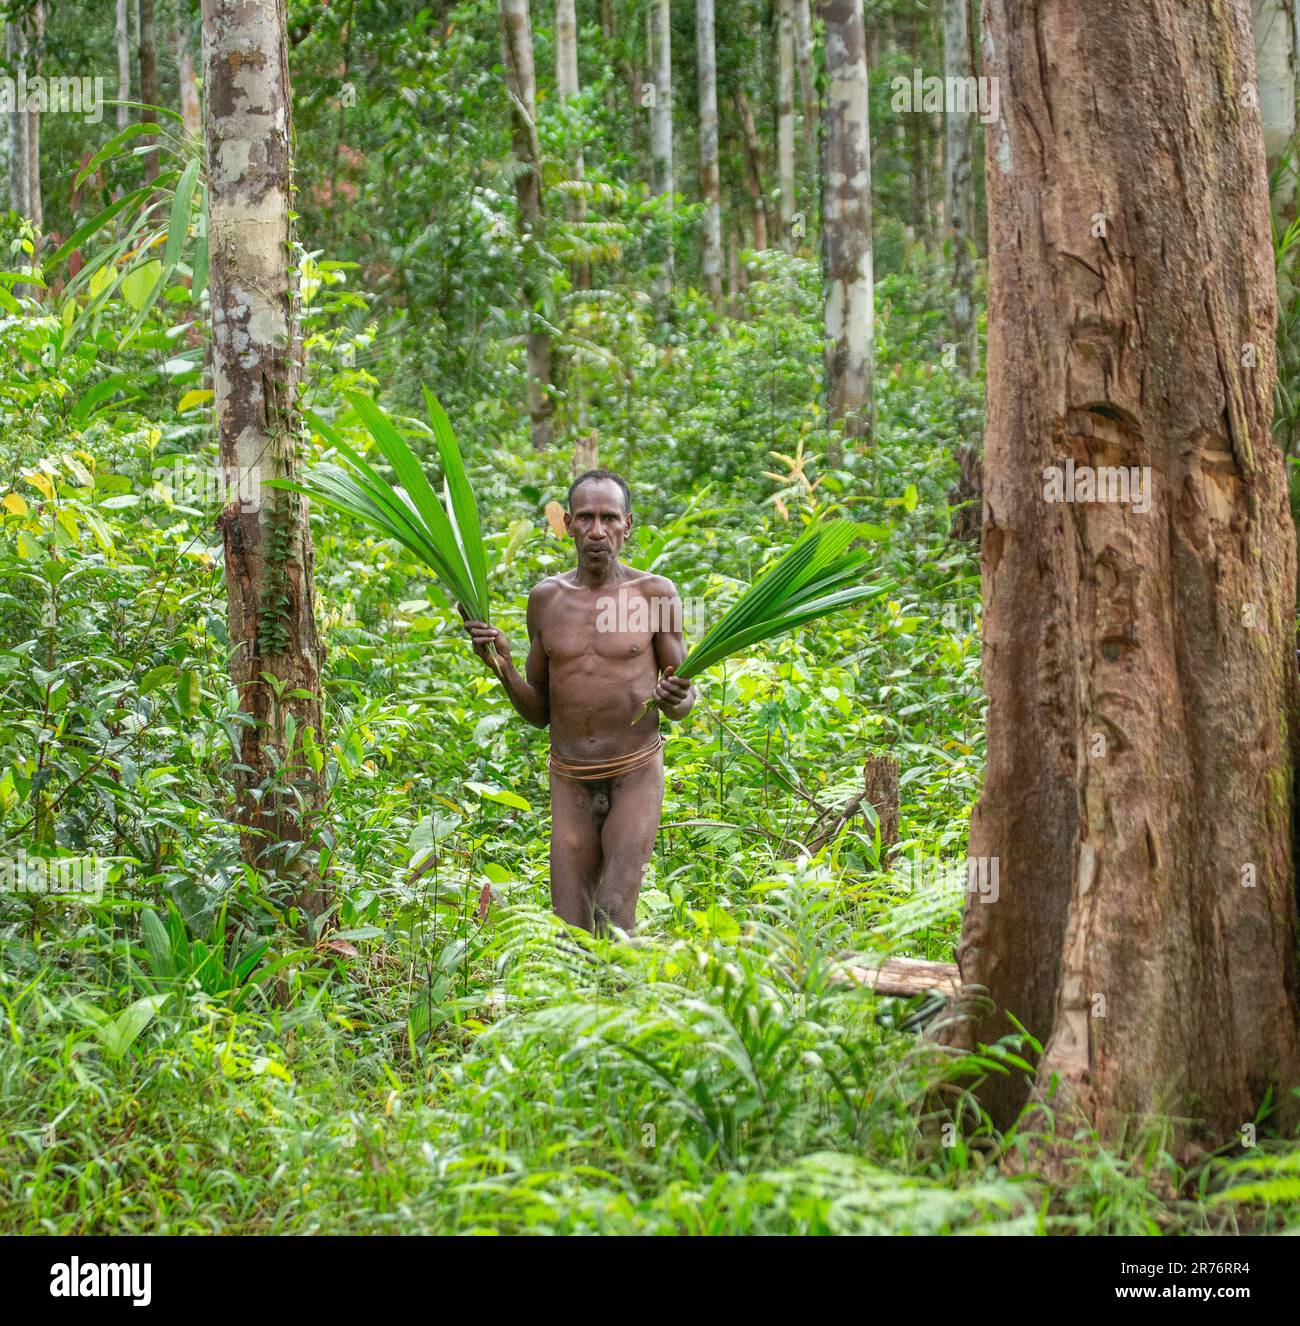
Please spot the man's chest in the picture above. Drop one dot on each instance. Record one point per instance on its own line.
(613, 627)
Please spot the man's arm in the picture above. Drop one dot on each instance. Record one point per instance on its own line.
(674, 697)
(531, 695)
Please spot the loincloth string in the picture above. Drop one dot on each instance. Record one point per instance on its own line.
(601, 770)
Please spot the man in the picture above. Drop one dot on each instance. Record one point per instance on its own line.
(603, 640)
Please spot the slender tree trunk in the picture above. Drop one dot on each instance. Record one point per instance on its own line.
(1274, 29)
(256, 366)
(849, 313)
(517, 44)
(807, 85)
(185, 76)
(736, 282)
(122, 39)
(959, 192)
(607, 43)
(19, 170)
(149, 93)
(566, 84)
(710, 191)
(1139, 656)
(785, 119)
(753, 168)
(658, 17)
(35, 49)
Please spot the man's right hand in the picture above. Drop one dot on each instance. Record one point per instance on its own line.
(486, 639)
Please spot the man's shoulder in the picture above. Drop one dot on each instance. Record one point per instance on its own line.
(544, 590)
(655, 586)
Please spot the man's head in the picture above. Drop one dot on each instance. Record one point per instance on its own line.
(599, 517)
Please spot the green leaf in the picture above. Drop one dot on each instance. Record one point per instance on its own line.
(118, 1035)
(188, 693)
(139, 282)
(500, 795)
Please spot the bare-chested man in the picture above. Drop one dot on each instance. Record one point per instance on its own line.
(603, 639)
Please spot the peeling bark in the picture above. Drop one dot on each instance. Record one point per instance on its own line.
(1140, 668)
(255, 362)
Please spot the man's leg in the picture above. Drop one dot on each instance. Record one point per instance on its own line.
(628, 841)
(577, 810)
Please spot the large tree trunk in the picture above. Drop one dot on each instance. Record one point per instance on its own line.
(849, 312)
(255, 360)
(149, 93)
(710, 191)
(122, 39)
(959, 195)
(753, 168)
(1139, 663)
(658, 17)
(785, 119)
(517, 45)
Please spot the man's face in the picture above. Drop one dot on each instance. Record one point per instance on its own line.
(597, 521)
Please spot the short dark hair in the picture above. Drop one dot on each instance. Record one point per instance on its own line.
(601, 474)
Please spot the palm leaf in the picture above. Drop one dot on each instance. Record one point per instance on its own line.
(815, 576)
(445, 536)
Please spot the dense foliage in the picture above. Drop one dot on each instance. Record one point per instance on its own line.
(178, 1055)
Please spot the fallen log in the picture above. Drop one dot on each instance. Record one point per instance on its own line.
(900, 976)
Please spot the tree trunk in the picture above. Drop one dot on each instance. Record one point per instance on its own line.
(1139, 657)
(122, 39)
(149, 79)
(753, 168)
(849, 312)
(710, 191)
(185, 76)
(517, 45)
(19, 170)
(1274, 29)
(566, 85)
(658, 18)
(607, 41)
(785, 119)
(255, 359)
(959, 194)
(35, 58)
(807, 86)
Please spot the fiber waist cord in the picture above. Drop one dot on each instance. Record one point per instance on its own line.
(603, 769)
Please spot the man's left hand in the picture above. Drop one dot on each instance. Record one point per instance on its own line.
(671, 692)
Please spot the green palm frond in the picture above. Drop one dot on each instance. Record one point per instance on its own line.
(445, 536)
(816, 576)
